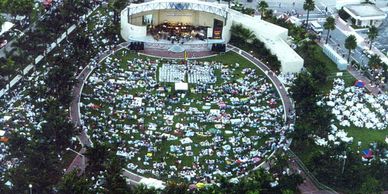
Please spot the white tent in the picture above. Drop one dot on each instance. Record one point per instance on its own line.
(181, 86)
(152, 183)
(2, 132)
(5, 27)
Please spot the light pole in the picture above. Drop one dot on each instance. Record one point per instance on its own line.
(83, 157)
(30, 186)
(343, 165)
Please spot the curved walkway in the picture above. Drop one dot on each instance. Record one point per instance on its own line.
(75, 114)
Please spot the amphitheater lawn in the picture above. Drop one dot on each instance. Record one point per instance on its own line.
(229, 58)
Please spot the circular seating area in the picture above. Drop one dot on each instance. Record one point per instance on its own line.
(227, 120)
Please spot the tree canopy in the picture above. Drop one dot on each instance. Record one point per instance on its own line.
(372, 35)
(329, 25)
(350, 44)
(308, 5)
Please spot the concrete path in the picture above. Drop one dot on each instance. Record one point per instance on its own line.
(75, 113)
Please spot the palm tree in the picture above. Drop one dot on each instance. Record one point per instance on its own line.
(350, 44)
(262, 7)
(329, 25)
(374, 62)
(372, 34)
(308, 5)
(246, 34)
(117, 6)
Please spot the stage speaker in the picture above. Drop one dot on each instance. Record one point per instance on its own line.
(218, 48)
(136, 46)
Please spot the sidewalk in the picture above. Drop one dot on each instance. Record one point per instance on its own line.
(346, 29)
(372, 88)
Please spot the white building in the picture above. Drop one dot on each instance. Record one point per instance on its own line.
(216, 18)
(378, 3)
(365, 14)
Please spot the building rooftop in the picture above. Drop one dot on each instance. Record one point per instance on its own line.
(364, 10)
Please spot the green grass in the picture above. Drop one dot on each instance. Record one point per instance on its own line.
(332, 70)
(366, 136)
(229, 59)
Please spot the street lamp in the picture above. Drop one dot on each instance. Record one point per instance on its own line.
(30, 186)
(83, 157)
(344, 161)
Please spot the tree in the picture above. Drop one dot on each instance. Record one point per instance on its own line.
(304, 87)
(244, 34)
(371, 186)
(176, 188)
(320, 72)
(7, 67)
(2, 20)
(114, 181)
(308, 5)
(372, 34)
(350, 44)
(117, 6)
(375, 62)
(262, 7)
(72, 183)
(329, 25)
(96, 156)
(19, 7)
(142, 189)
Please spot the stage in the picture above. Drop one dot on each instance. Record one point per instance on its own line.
(194, 45)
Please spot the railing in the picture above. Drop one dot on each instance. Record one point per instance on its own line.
(308, 174)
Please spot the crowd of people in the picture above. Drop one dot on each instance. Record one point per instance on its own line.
(18, 107)
(225, 127)
(177, 32)
(354, 106)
